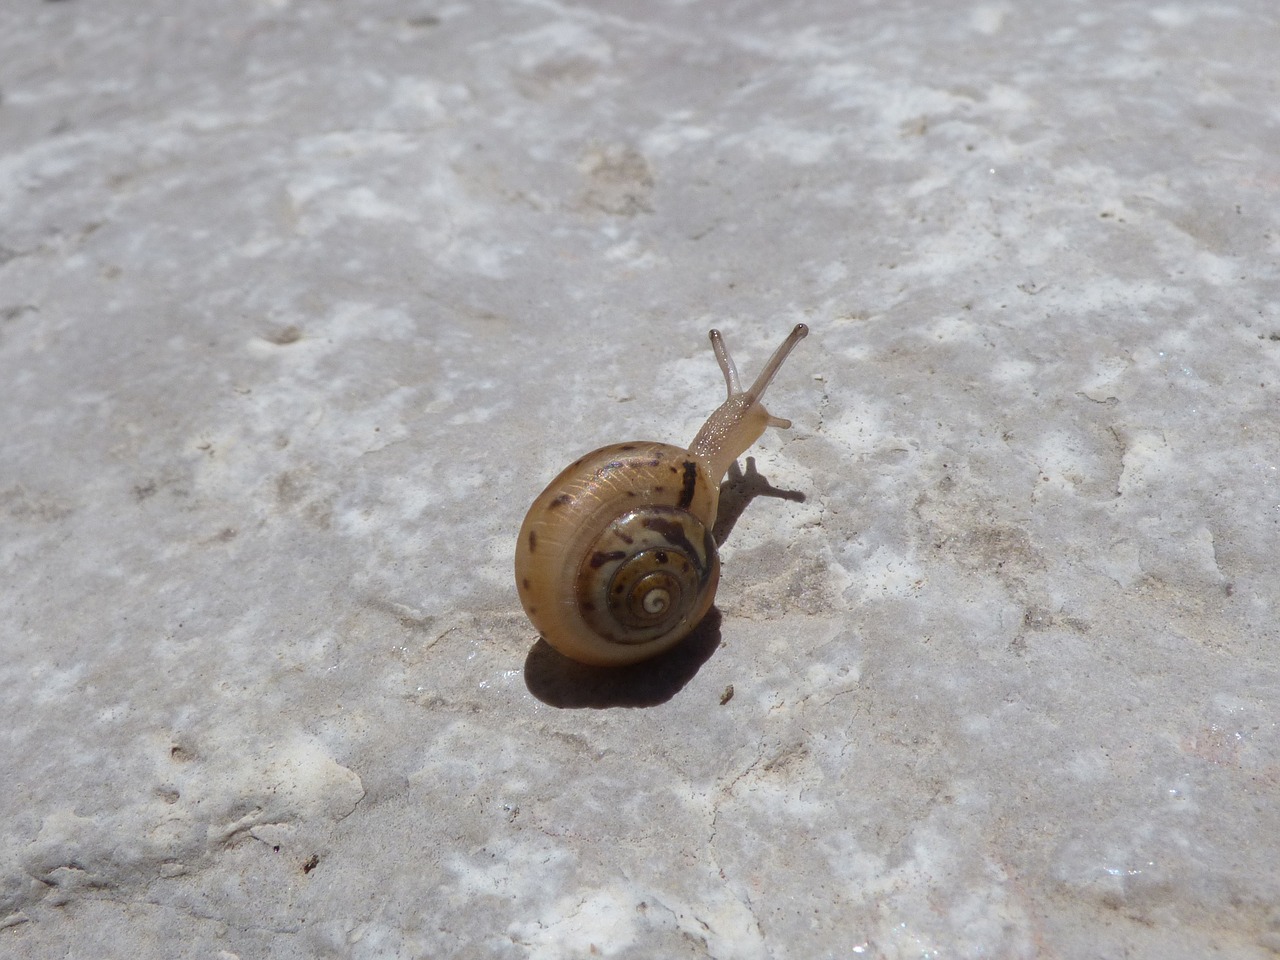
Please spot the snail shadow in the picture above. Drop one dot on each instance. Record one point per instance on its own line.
(560, 682)
(737, 492)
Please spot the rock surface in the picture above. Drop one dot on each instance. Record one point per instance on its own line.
(302, 303)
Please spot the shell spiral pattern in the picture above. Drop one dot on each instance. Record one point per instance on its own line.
(646, 574)
(616, 560)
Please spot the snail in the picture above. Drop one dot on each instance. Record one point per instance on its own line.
(615, 562)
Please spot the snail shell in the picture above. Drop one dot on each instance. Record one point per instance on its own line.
(617, 552)
(615, 561)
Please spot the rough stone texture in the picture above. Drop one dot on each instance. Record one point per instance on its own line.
(302, 303)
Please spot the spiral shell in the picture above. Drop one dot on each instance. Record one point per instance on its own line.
(615, 561)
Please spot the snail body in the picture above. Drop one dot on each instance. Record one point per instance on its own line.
(615, 562)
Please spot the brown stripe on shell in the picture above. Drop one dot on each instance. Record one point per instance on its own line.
(674, 533)
(690, 483)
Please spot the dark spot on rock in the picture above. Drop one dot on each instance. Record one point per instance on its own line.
(289, 488)
(313, 861)
(13, 313)
(284, 336)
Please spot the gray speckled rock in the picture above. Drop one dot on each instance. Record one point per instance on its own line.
(302, 303)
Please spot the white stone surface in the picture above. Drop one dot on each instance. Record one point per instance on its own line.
(301, 303)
